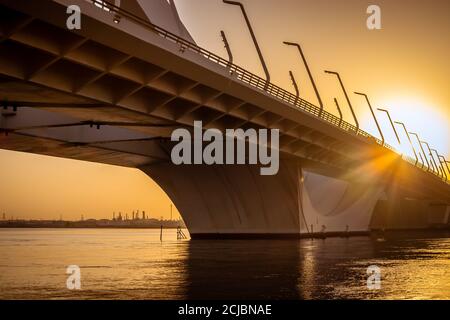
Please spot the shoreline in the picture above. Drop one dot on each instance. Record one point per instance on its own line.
(378, 233)
(88, 227)
(322, 235)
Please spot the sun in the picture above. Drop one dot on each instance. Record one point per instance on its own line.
(419, 116)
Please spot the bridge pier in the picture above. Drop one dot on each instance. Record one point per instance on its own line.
(400, 212)
(221, 201)
(235, 201)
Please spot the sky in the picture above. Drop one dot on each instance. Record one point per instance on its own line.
(403, 67)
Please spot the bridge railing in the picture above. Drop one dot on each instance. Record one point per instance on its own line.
(248, 77)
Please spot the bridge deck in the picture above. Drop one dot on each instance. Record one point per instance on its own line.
(147, 80)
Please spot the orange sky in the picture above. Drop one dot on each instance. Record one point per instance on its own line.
(403, 67)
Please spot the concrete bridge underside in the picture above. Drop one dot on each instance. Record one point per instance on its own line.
(237, 202)
(87, 95)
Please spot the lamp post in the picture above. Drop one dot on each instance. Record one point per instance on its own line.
(431, 156)
(421, 159)
(444, 166)
(340, 112)
(392, 124)
(255, 42)
(444, 161)
(409, 139)
(346, 96)
(309, 73)
(227, 46)
(421, 148)
(444, 174)
(373, 114)
(294, 83)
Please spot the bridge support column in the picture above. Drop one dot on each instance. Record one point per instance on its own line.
(226, 201)
(232, 200)
(397, 211)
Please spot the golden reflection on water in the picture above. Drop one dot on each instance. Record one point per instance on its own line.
(426, 275)
(134, 264)
(410, 269)
(307, 276)
(115, 264)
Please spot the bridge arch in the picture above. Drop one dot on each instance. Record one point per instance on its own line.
(236, 201)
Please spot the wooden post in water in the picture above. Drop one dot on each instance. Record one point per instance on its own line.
(160, 234)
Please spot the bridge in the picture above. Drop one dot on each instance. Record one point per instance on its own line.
(114, 91)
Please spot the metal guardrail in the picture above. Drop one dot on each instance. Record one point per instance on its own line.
(249, 77)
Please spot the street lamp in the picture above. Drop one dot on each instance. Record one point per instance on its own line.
(373, 114)
(440, 164)
(227, 46)
(294, 83)
(309, 73)
(409, 139)
(346, 96)
(421, 160)
(340, 112)
(444, 161)
(255, 42)
(431, 156)
(444, 165)
(421, 148)
(392, 124)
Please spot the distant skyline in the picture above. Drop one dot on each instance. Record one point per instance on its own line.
(115, 216)
(404, 68)
(34, 186)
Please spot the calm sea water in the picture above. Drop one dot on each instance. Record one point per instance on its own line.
(134, 264)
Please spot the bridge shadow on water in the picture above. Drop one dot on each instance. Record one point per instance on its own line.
(305, 269)
(242, 269)
(264, 269)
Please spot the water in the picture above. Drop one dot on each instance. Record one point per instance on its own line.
(134, 264)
